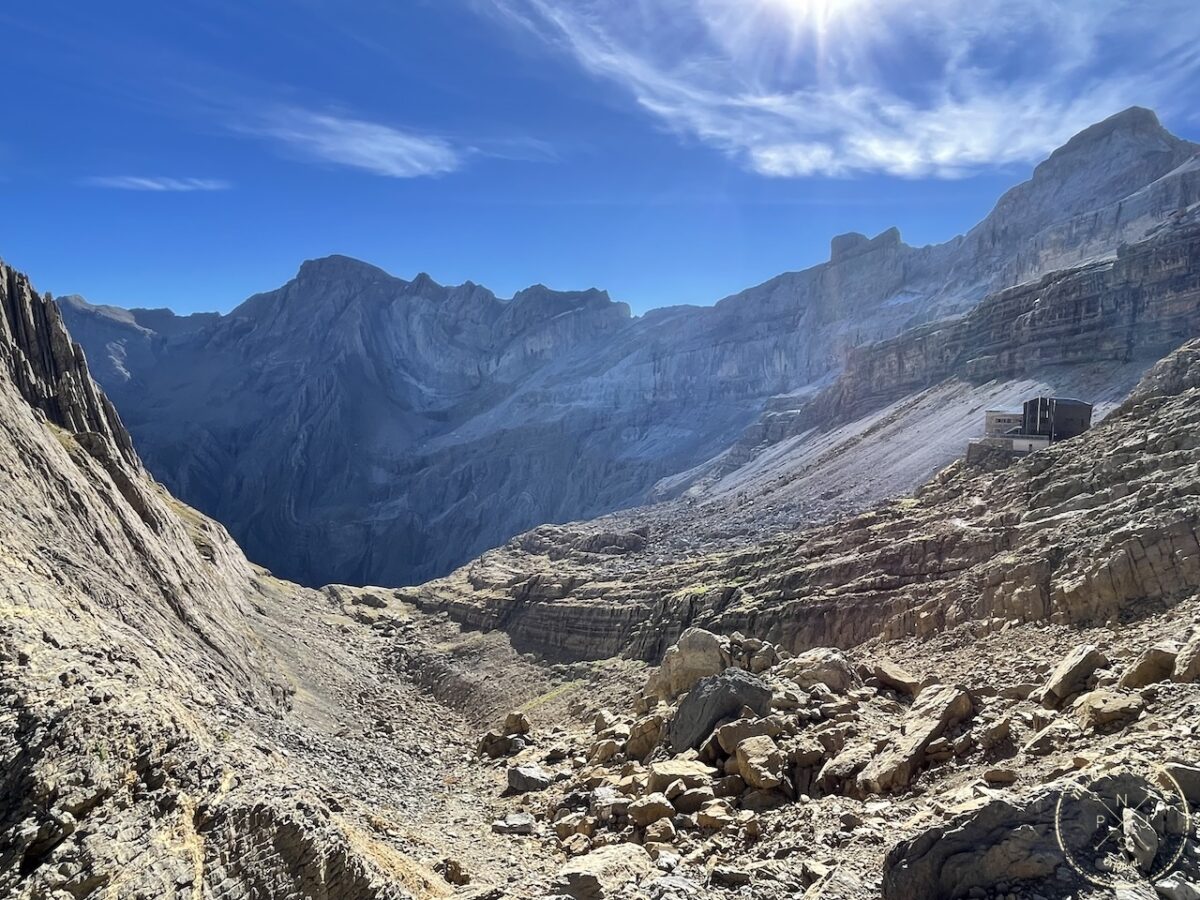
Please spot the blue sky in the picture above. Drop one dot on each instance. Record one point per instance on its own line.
(188, 154)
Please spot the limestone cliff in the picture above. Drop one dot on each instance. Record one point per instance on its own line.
(1091, 529)
(356, 427)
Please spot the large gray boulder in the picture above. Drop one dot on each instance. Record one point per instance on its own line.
(523, 779)
(1187, 663)
(714, 699)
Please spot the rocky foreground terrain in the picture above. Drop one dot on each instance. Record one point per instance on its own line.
(1009, 633)
(356, 427)
(988, 690)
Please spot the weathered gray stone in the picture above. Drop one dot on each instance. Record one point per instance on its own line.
(1071, 675)
(712, 700)
(1153, 665)
(697, 654)
(605, 873)
(935, 710)
(522, 779)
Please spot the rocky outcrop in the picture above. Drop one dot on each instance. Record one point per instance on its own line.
(355, 427)
(48, 368)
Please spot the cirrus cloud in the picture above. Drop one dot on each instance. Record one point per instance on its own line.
(356, 143)
(156, 183)
(837, 87)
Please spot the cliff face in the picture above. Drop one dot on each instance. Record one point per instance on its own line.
(1080, 533)
(1138, 306)
(356, 427)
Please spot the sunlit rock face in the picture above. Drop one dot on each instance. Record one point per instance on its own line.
(356, 427)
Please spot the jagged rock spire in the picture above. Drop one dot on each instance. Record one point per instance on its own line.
(49, 369)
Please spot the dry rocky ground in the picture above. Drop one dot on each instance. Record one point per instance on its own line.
(1042, 619)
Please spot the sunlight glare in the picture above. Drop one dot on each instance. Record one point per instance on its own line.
(816, 13)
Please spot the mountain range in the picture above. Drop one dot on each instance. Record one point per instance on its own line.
(356, 427)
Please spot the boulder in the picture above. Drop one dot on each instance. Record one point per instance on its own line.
(893, 676)
(691, 772)
(729, 876)
(660, 831)
(993, 734)
(713, 700)
(1141, 840)
(840, 771)
(728, 786)
(824, 665)
(1174, 887)
(694, 799)
(603, 751)
(576, 844)
(674, 887)
(607, 803)
(969, 855)
(1187, 663)
(1104, 708)
(516, 723)
(605, 719)
(523, 779)
(1071, 675)
(493, 745)
(574, 823)
(644, 736)
(934, 711)
(760, 762)
(514, 823)
(733, 733)
(1051, 738)
(604, 874)
(1187, 778)
(1152, 666)
(987, 848)
(715, 815)
(697, 654)
(650, 809)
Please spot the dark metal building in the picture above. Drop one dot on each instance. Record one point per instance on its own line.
(1057, 418)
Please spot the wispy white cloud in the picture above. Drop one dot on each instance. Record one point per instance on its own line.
(156, 183)
(836, 87)
(356, 143)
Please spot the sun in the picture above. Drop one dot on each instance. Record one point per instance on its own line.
(818, 13)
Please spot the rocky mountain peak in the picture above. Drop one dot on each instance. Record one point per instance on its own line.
(539, 293)
(851, 244)
(1111, 152)
(459, 384)
(1135, 125)
(336, 267)
(49, 369)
